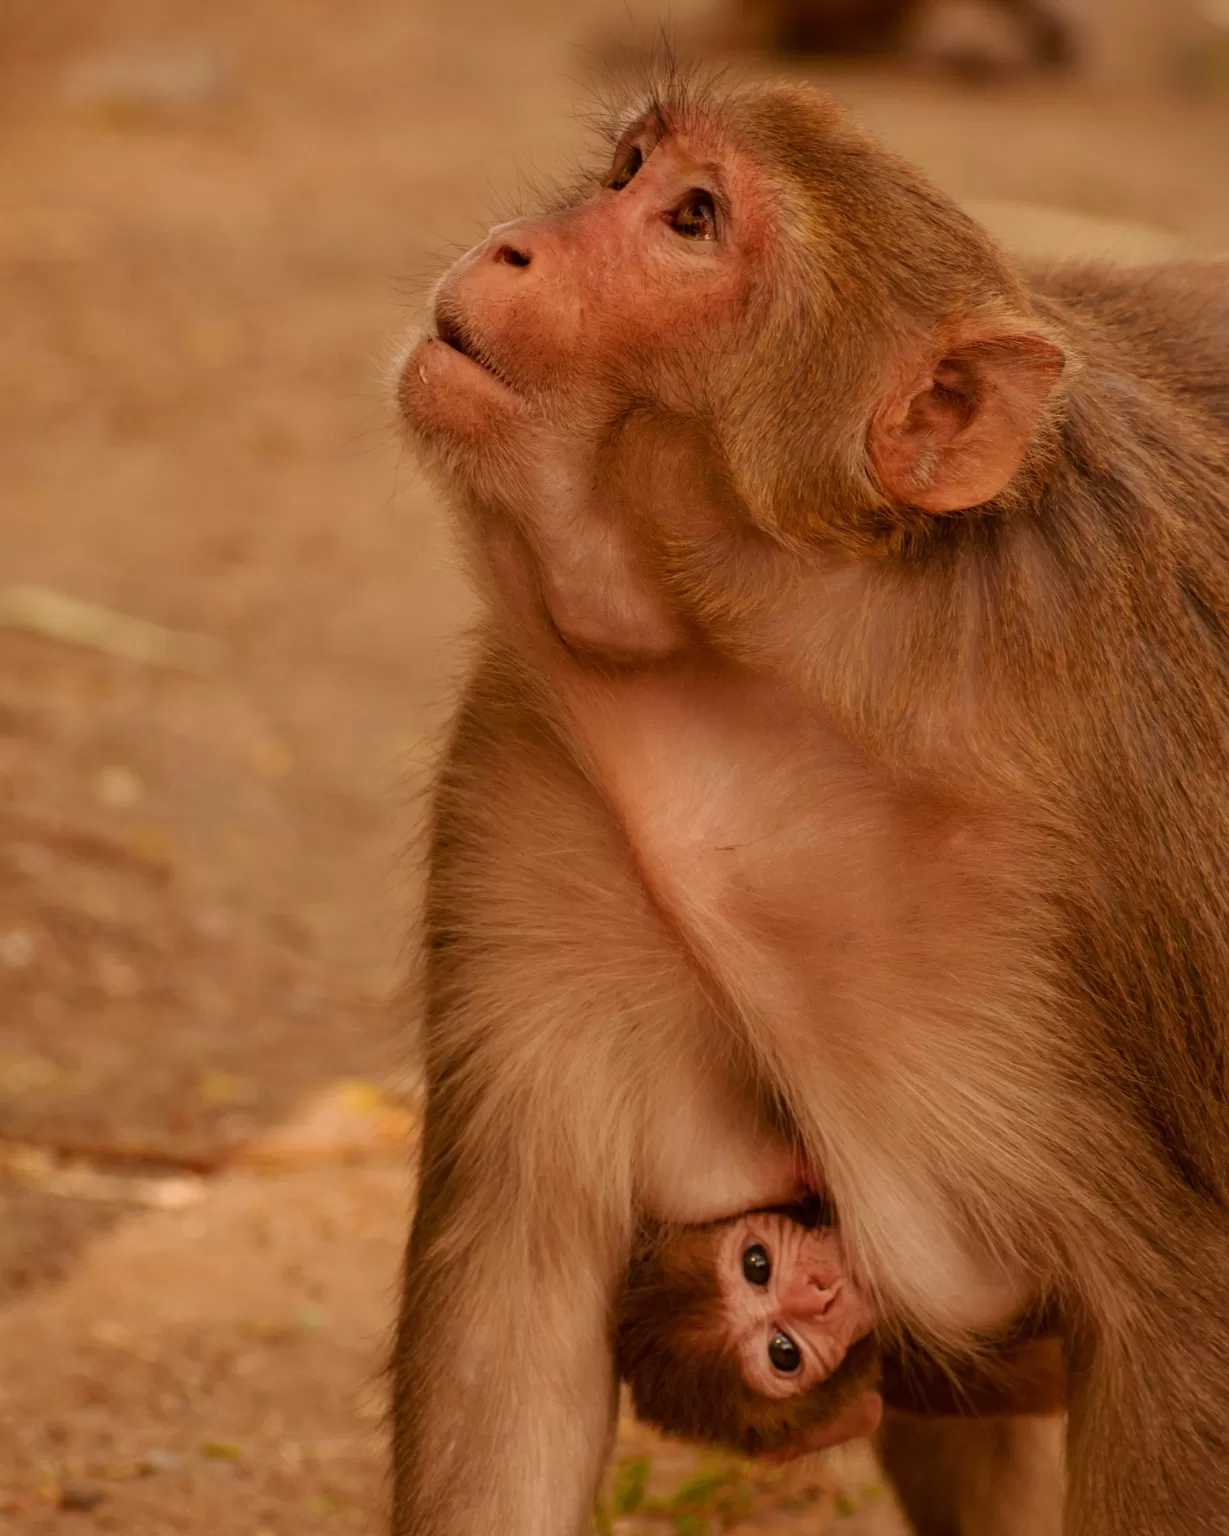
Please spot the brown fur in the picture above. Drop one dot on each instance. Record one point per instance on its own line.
(777, 803)
(987, 1476)
(1020, 1375)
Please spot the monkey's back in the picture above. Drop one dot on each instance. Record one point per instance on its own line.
(1140, 502)
(1166, 326)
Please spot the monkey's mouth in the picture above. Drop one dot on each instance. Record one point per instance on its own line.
(454, 333)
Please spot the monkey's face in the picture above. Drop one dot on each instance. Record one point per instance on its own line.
(571, 381)
(568, 320)
(791, 1306)
(655, 397)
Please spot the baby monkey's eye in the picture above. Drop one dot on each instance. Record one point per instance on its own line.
(626, 168)
(695, 217)
(784, 1353)
(757, 1268)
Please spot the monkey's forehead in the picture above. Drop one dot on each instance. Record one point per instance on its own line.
(772, 117)
(786, 144)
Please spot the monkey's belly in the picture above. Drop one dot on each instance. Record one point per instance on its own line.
(833, 912)
(707, 1154)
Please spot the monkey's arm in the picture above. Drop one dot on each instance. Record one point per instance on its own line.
(546, 1027)
(996, 1476)
(1025, 1376)
(504, 1395)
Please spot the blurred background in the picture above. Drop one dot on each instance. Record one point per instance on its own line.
(227, 614)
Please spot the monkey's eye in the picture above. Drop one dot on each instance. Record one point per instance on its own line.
(784, 1353)
(626, 169)
(695, 218)
(757, 1267)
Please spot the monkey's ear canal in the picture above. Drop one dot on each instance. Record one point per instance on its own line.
(952, 435)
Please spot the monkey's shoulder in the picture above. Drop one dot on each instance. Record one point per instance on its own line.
(1177, 313)
(1159, 331)
(1168, 292)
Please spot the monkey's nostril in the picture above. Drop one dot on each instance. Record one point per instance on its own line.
(513, 257)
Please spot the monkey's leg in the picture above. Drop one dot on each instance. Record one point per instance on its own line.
(504, 1391)
(1000, 1476)
(1148, 1441)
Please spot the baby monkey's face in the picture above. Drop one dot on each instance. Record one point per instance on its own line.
(792, 1308)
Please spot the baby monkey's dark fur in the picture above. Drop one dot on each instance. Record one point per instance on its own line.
(673, 1350)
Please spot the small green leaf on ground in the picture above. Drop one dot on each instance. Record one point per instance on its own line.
(701, 1488)
(803, 1499)
(631, 1478)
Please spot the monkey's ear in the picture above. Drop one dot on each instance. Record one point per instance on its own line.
(953, 435)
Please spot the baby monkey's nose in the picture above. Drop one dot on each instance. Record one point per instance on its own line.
(809, 1295)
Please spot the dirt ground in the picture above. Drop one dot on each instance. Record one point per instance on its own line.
(214, 221)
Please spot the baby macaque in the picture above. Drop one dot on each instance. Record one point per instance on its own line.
(750, 1333)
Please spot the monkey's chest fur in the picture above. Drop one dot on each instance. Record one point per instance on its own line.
(782, 859)
(846, 918)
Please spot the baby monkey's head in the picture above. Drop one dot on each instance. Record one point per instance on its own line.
(749, 1334)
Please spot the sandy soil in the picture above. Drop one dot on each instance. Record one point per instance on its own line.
(215, 222)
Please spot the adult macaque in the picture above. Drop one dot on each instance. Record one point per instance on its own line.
(843, 766)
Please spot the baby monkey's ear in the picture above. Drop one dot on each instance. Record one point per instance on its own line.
(954, 430)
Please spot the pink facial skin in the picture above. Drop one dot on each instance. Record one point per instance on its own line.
(795, 1320)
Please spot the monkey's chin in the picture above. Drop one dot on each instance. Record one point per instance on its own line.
(444, 394)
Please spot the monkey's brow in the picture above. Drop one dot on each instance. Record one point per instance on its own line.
(713, 176)
(658, 115)
(650, 122)
(659, 128)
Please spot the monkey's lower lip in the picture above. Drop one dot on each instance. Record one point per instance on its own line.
(442, 390)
